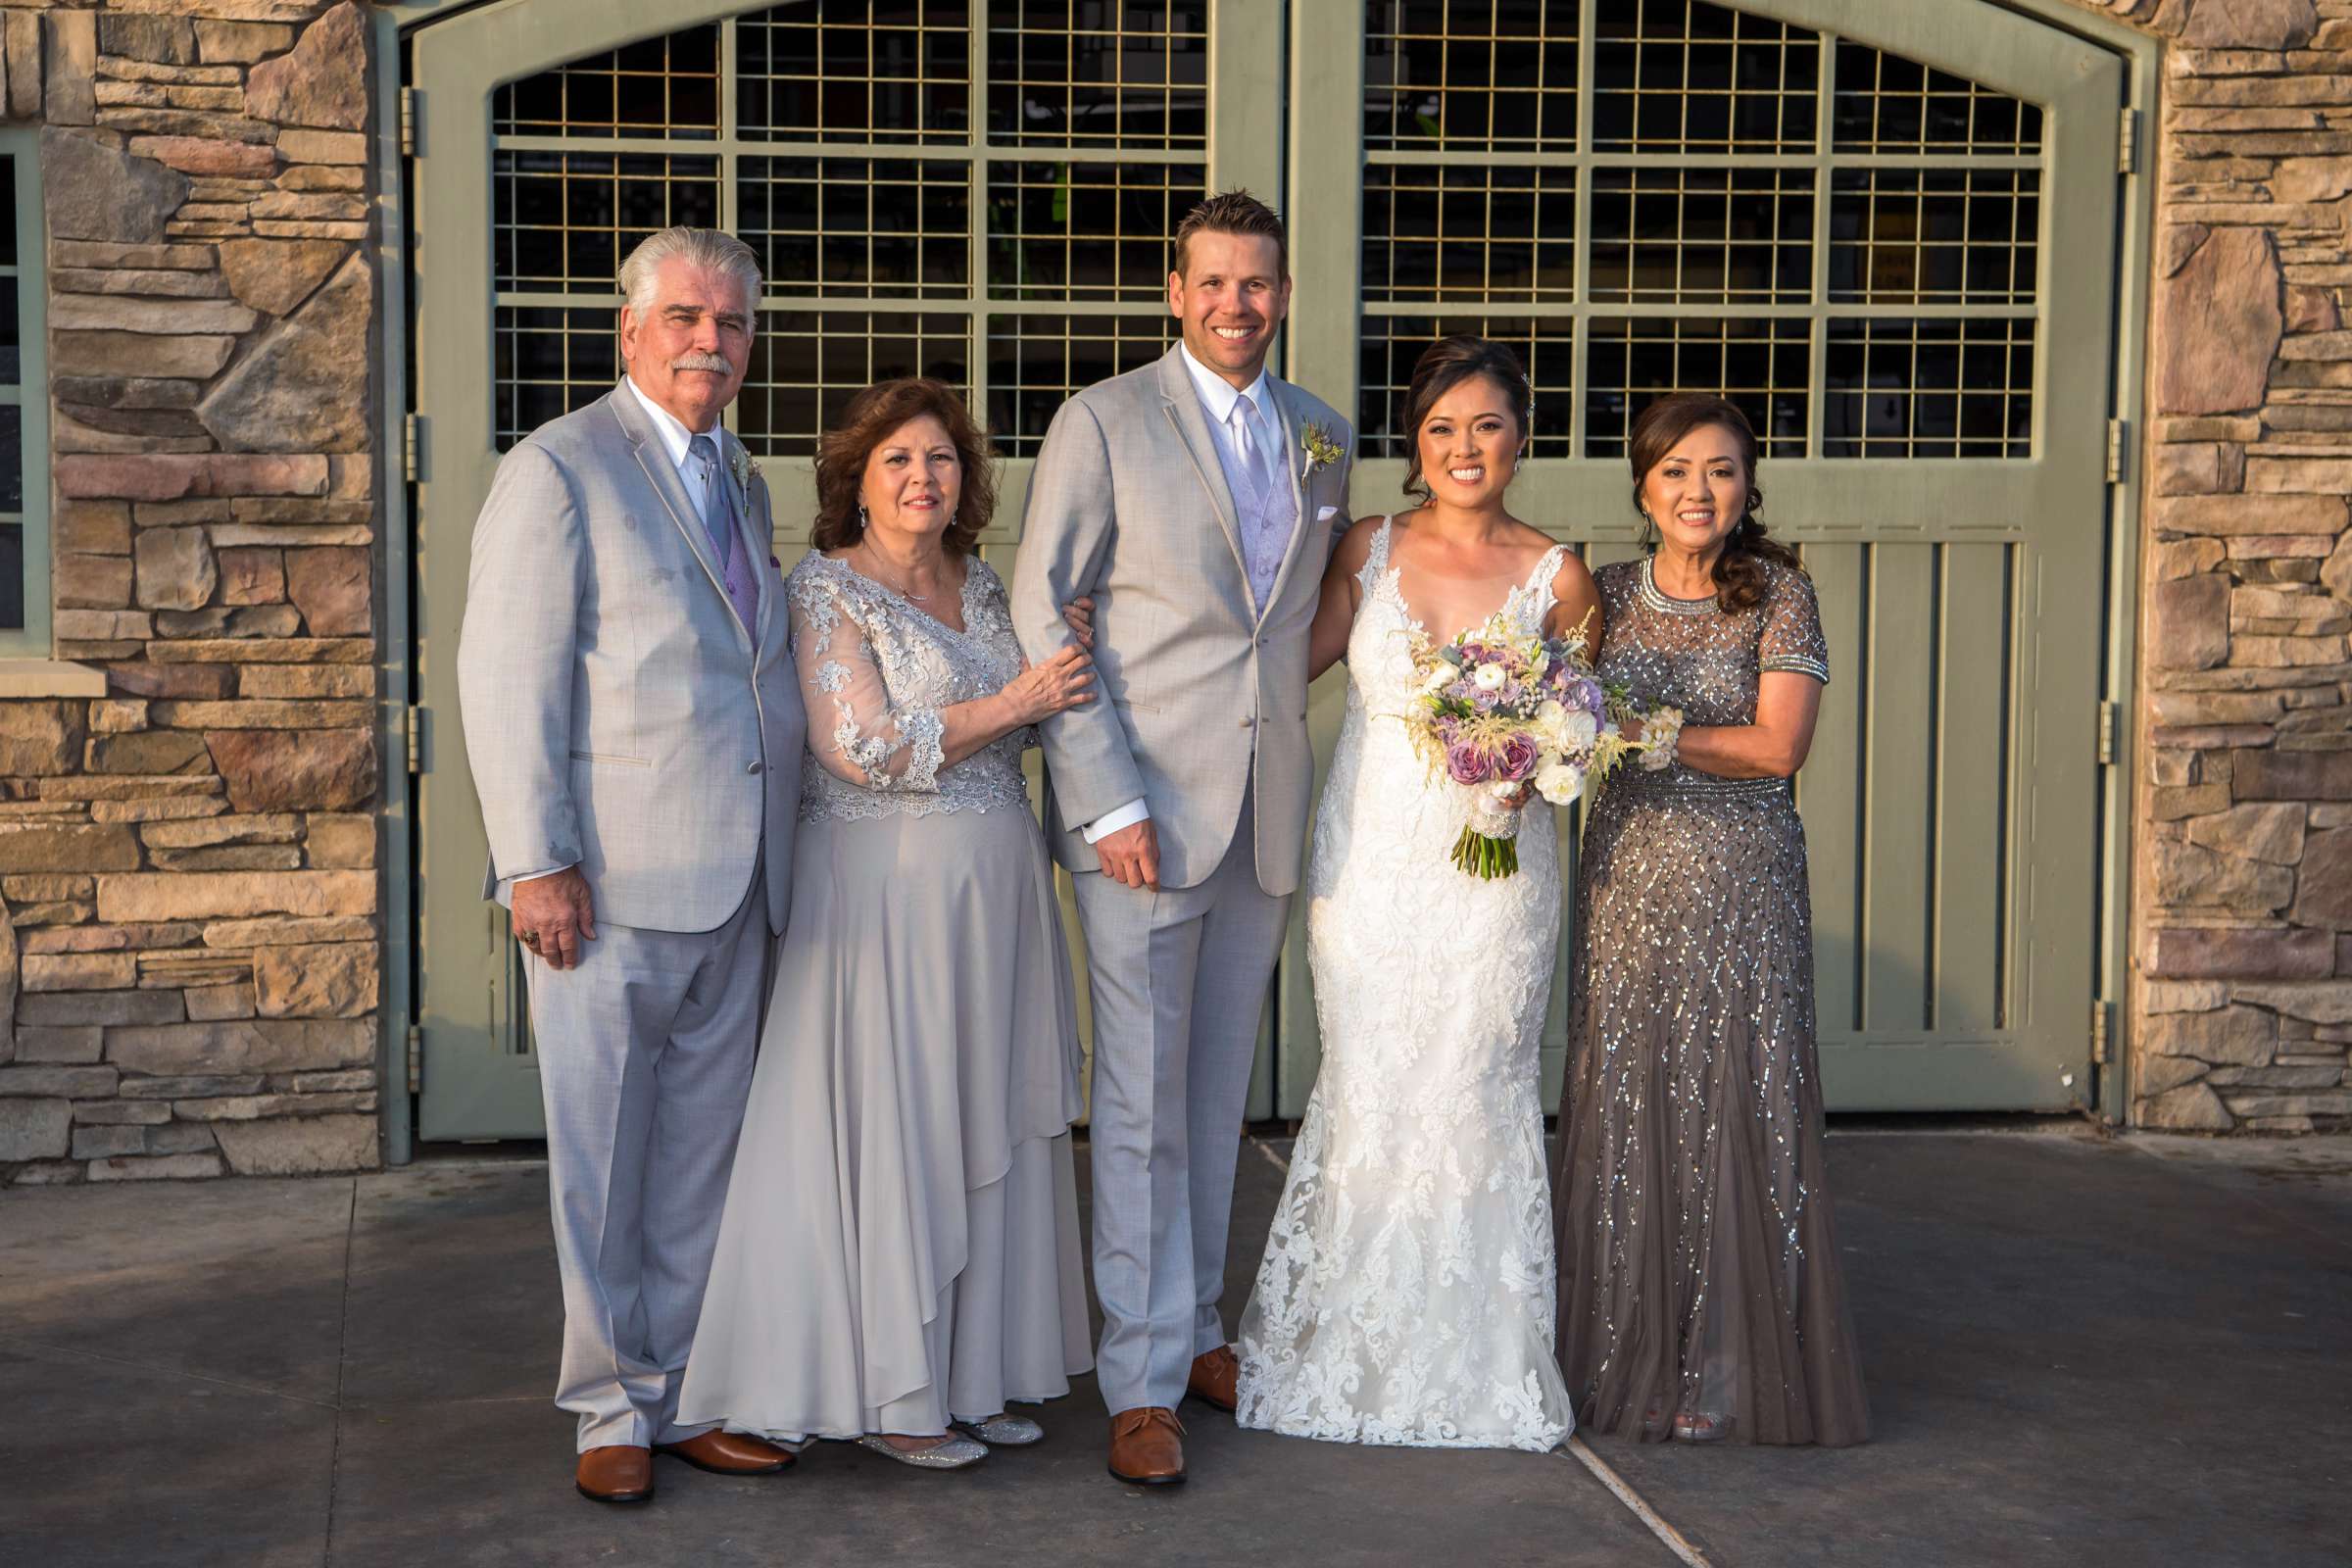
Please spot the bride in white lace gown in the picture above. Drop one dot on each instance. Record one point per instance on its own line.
(1406, 1295)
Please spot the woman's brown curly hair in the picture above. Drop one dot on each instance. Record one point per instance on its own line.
(872, 416)
(1660, 428)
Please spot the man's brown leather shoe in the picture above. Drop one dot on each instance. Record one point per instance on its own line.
(1146, 1446)
(1216, 1378)
(730, 1454)
(619, 1473)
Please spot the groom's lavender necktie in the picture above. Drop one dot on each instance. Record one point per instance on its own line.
(735, 569)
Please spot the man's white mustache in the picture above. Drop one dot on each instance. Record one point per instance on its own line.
(713, 363)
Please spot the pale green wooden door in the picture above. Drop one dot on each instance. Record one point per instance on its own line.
(1886, 230)
(977, 190)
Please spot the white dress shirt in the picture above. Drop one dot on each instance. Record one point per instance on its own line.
(1217, 398)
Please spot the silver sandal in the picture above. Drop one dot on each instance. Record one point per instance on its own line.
(953, 1454)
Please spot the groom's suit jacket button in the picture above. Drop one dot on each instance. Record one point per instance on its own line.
(751, 767)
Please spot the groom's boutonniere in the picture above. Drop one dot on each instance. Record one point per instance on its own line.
(1321, 449)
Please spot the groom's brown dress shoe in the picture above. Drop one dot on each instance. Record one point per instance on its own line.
(730, 1454)
(1146, 1446)
(1216, 1378)
(618, 1472)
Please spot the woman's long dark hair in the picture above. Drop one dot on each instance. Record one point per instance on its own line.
(1660, 428)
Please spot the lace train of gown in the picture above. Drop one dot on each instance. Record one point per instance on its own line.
(1406, 1291)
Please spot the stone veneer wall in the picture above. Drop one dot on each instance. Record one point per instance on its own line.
(189, 861)
(2243, 1005)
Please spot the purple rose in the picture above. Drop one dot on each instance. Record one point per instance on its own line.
(1467, 764)
(1518, 758)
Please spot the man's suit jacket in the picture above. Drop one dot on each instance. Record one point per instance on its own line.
(1201, 696)
(619, 716)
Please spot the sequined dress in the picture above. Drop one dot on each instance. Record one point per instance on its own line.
(900, 1240)
(1405, 1295)
(1699, 1259)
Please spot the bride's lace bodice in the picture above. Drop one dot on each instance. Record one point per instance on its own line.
(876, 672)
(1406, 1294)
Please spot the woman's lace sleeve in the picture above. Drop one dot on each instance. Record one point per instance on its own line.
(1792, 638)
(855, 731)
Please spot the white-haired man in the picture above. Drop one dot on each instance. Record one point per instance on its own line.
(634, 729)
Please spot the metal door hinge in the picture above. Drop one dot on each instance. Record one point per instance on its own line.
(2102, 1026)
(412, 438)
(2126, 142)
(413, 729)
(2111, 732)
(415, 1058)
(407, 121)
(2119, 444)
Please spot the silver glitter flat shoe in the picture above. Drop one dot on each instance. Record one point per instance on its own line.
(1701, 1427)
(1003, 1431)
(953, 1454)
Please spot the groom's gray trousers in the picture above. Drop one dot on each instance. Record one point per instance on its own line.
(645, 1057)
(1179, 981)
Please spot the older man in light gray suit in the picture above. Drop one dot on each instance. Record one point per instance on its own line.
(1196, 501)
(635, 729)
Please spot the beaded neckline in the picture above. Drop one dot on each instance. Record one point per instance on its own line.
(1655, 598)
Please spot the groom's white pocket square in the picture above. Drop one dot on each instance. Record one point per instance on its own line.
(1326, 514)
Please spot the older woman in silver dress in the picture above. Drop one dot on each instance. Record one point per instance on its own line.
(1702, 1297)
(899, 1256)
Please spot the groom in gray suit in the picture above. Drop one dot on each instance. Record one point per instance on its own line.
(634, 727)
(1195, 501)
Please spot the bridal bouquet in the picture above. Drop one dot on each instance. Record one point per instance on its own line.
(1502, 710)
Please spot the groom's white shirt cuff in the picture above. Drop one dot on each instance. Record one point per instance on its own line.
(1104, 826)
(533, 877)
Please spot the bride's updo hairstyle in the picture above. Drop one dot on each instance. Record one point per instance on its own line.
(1657, 431)
(1446, 364)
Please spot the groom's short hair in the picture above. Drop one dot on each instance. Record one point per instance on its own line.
(1233, 212)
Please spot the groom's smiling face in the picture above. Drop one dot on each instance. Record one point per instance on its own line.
(1231, 297)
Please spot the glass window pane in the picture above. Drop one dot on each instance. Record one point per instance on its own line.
(12, 458)
(806, 366)
(12, 370)
(11, 576)
(656, 87)
(887, 71)
(1471, 77)
(1084, 74)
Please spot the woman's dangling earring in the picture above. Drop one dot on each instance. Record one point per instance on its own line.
(861, 517)
(1649, 531)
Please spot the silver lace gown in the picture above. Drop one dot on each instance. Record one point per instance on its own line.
(1699, 1261)
(900, 1240)
(1406, 1296)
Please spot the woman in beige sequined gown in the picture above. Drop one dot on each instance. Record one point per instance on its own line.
(1702, 1297)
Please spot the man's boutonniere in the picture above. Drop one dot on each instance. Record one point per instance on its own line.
(1321, 450)
(740, 464)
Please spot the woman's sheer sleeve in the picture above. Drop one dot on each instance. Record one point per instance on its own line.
(1791, 639)
(854, 729)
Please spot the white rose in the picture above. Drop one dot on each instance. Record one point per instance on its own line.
(1437, 680)
(1490, 677)
(1578, 730)
(1559, 783)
